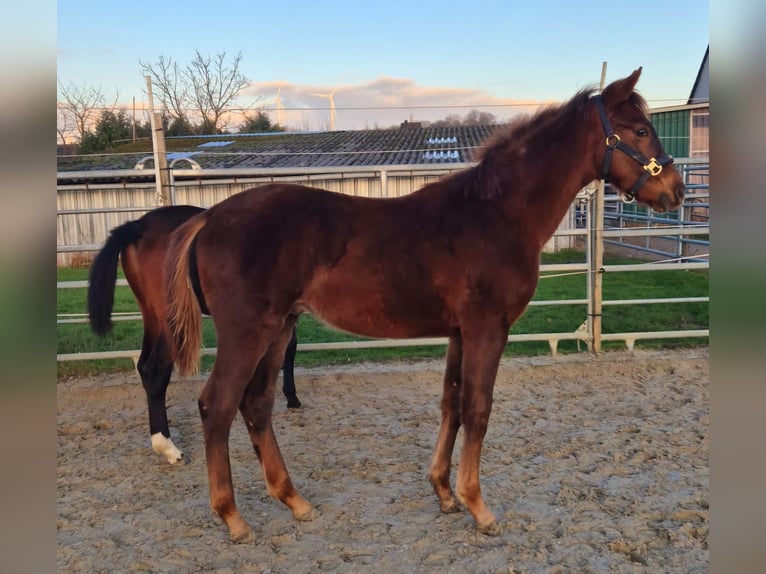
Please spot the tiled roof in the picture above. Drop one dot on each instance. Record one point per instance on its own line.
(406, 145)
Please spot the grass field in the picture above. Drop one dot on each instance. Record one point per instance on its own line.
(74, 338)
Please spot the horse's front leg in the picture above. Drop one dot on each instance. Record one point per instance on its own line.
(439, 474)
(482, 349)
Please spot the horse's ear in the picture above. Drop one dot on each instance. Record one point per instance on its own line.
(620, 90)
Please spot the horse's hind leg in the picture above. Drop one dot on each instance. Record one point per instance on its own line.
(155, 366)
(288, 375)
(241, 345)
(256, 408)
(439, 474)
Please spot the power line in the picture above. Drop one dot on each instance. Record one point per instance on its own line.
(369, 108)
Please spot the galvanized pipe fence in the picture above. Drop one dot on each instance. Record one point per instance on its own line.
(680, 229)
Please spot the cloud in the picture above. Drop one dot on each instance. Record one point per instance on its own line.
(380, 103)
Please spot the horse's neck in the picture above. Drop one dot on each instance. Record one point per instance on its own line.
(544, 195)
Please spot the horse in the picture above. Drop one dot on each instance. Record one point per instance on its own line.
(141, 244)
(457, 258)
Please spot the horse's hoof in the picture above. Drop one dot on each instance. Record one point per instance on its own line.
(242, 534)
(180, 460)
(164, 445)
(450, 506)
(490, 529)
(307, 516)
(293, 403)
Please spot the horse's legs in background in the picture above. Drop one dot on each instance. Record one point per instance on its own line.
(288, 375)
(439, 474)
(242, 342)
(256, 408)
(155, 367)
(483, 346)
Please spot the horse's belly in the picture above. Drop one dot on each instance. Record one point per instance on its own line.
(373, 318)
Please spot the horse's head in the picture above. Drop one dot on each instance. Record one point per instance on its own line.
(631, 154)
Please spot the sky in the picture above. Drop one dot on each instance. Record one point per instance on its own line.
(390, 61)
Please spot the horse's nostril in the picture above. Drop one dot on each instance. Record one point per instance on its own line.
(680, 191)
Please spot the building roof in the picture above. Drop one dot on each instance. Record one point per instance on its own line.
(409, 144)
(701, 88)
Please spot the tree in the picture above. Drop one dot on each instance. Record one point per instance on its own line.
(206, 87)
(472, 118)
(259, 123)
(477, 118)
(111, 128)
(79, 105)
(450, 120)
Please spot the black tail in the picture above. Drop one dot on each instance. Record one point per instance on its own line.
(103, 275)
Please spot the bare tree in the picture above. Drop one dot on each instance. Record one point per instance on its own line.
(448, 121)
(477, 118)
(80, 105)
(207, 86)
(168, 79)
(215, 85)
(63, 127)
(472, 118)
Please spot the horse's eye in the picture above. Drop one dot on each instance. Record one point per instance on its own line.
(642, 132)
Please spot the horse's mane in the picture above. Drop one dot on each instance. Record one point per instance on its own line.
(485, 180)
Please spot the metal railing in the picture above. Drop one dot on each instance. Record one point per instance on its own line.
(670, 228)
(692, 216)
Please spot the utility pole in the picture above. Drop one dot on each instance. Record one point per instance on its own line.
(161, 170)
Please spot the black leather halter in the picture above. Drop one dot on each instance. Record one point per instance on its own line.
(652, 166)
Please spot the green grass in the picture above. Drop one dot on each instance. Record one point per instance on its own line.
(617, 285)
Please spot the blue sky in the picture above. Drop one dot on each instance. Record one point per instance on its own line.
(392, 53)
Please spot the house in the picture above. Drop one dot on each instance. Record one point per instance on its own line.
(685, 130)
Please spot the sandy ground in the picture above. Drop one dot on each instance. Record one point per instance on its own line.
(592, 464)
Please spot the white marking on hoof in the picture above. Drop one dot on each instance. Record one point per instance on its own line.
(164, 445)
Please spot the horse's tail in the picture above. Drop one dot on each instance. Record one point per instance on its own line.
(184, 318)
(103, 275)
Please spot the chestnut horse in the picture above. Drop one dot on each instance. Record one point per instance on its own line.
(458, 258)
(142, 245)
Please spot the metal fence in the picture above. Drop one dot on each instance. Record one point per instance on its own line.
(692, 215)
(620, 226)
(87, 212)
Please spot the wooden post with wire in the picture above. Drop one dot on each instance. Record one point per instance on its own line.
(161, 170)
(596, 277)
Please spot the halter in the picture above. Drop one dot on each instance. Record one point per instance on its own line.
(651, 166)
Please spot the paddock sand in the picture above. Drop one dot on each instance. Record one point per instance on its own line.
(592, 464)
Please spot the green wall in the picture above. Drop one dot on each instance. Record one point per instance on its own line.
(673, 131)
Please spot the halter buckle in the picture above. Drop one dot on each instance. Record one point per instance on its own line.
(653, 167)
(627, 198)
(616, 140)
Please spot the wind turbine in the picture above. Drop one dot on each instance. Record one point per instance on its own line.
(332, 106)
(280, 107)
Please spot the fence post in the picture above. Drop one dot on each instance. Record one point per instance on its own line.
(595, 297)
(384, 183)
(161, 170)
